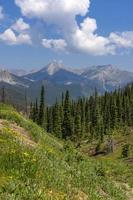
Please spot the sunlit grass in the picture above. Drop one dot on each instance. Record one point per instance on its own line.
(53, 170)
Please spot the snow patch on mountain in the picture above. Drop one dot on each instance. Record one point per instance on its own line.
(68, 83)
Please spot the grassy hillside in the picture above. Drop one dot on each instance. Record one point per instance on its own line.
(37, 166)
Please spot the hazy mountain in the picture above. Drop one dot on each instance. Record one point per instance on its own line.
(104, 78)
(18, 72)
(57, 79)
(108, 76)
(56, 73)
(11, 79)
(6, 77)
(21, 72)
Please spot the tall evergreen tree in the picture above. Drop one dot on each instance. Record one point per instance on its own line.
(31, 111)
(41, 116)
(50, 119)
(57, 121)
(67, 120)
(77, 122)
(26, 102)
(36, 111)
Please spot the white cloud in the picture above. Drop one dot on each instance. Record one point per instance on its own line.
(16, 34)
(84, 39)
(20, 26)
(81, 38)
(59, 44)
(11, 38)
(8, 36)
(1, 12)
(124, 39)
(49, 9)
(59, 12)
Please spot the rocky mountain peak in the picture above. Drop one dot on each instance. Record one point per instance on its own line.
(6, 77)
(53, 67)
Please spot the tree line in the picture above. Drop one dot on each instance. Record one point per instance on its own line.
(92, 117)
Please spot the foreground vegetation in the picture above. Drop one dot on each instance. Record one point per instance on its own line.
(36, 166)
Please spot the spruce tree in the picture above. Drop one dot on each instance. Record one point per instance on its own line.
(87, 118)
(77, 122)
(36, 111)
(26, 102)
(41, 115)
(50, 119)
(67, 120)
(31, 111)
(57, 121)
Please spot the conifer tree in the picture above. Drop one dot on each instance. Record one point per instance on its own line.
(41, 115)
(26, 102)
(57, 121)
(50, 119)
(31, 111)
(67, 120)
(82, 108)
(78, 127)
(36, 111)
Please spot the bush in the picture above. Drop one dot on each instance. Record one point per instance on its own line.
(125, 151)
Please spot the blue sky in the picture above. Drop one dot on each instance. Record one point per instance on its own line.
(76, 32)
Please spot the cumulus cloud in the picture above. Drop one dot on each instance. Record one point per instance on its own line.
(16, 34)
(84, 39)
(76, 37)
(59, 44)
(124, 39)
(10, 38)
(1, 12)
(20, 26)
(49, 9)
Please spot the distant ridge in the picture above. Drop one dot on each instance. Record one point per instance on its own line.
(58, 78)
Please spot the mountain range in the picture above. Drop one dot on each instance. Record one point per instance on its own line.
(57, 78)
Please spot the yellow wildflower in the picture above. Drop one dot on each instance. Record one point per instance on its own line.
(26, 154)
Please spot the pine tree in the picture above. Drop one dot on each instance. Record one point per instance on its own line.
(77, 122)
(106, 112)
(87, 118)
(57, 121)
(26, 102)
(50, 119)
(82, 105)
(31, 111)
(67, 120)
(62, 99)
(36, 111)
(41, 115)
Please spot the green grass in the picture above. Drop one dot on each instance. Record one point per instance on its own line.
(52, 169)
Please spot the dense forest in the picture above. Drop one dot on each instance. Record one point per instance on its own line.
(92, 117)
